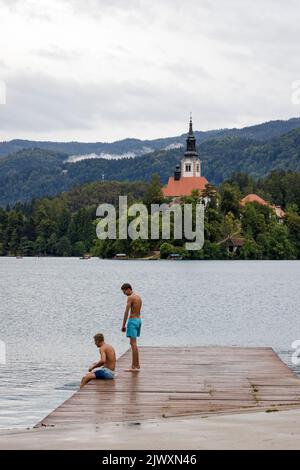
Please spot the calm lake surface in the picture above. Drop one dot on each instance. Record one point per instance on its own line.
(51, 308)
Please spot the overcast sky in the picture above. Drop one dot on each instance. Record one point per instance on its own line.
(102, 70)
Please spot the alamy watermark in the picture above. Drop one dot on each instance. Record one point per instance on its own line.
(295, 97)
(2, 353)
(162, 221)
(2, 92)
(296, 354)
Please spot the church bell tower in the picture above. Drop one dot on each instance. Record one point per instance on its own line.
(190, 164)
(187, 175)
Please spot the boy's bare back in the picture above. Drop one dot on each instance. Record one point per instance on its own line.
(109, 353)
(135, 302)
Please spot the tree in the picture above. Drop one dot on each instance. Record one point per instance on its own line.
(243, 181)
(14, 243)
(46, 228)
(292, 222)
(14, 231)
(51, 244)
(79, 249)
(275, 243)
(98, 248)
(166, 249)
(82, 228)
(27, 247)
(153, 194)
(292, 208)
(139, 247)
(256, 218)
(250, 250)
(230, 225)
(40, 246)
(230, 199)
(63, 247)
(63, 218)
(214, 251)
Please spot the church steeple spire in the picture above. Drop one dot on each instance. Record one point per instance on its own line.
(187, 174)
(191, 142)
(191, 125)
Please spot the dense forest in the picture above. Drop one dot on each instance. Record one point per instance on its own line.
(34, 173)
(65, 225)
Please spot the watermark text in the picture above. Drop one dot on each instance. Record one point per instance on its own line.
(182, 221)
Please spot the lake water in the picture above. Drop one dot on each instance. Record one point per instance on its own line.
(51, 308)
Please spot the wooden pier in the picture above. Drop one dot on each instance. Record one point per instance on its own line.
(182, 382)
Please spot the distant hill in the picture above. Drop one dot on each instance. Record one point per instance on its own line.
(136, 147)
(39, 172)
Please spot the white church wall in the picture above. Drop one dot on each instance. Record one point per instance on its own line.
(190, 167)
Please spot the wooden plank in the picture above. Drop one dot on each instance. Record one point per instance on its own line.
(183, 382)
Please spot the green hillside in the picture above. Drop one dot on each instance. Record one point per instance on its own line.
(36, 173)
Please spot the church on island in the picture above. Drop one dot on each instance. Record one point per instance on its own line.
(187, 176)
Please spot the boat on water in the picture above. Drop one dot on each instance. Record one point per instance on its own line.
(121, 256)
(174, 257)
(85, 257)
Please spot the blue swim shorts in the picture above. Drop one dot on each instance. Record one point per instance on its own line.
(133, 328)
(104, 373)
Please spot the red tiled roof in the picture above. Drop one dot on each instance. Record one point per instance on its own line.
(254, 198)
(184, 186)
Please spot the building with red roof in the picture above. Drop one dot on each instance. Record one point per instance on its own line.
(253, 198)
(187, 176)
(184, 186)
(279, 212)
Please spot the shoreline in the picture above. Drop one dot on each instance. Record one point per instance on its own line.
(146, 259)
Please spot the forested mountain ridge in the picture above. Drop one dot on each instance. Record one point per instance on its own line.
(36, 172)
(260, 132)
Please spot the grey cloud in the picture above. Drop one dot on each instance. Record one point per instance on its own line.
(267, 28)
(41, 104)
(187, 71)
(258, 40)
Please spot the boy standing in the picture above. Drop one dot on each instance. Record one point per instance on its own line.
(133, 329)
